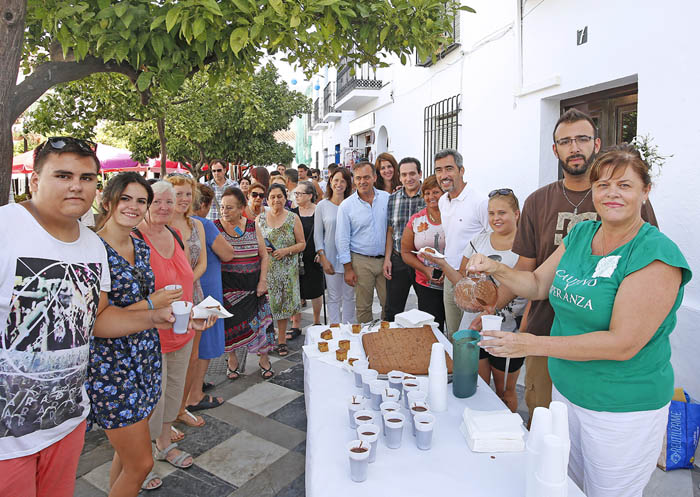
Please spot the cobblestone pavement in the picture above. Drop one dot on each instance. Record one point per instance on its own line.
(254, 444)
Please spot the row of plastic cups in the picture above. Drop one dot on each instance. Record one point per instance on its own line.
(422, 422)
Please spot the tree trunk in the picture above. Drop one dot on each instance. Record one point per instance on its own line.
(12, 15)
(160, 122)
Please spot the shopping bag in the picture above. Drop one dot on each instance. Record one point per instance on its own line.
(682, 433)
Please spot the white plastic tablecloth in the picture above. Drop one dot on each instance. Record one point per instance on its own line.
(449, 468)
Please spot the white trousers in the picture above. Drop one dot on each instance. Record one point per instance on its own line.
(613, 453)
(340, 294)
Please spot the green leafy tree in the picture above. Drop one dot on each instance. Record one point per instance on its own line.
(162, 43)
(231, 118)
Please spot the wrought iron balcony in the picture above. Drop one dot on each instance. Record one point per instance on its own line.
(355, 89)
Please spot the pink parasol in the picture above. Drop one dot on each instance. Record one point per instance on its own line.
(111, 159)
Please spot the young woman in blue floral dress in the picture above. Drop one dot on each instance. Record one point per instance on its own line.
(124, 374)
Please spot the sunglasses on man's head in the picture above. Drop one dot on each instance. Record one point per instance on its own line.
(61, 142)
(257, 195)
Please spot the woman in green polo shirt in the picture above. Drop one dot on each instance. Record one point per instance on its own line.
(615, 286)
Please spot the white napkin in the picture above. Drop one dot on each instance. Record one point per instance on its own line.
(414, 318)
(210, 307)
(493, 425)
(503, 445)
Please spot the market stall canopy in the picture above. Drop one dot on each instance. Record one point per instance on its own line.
(111, 159)
(170, 166)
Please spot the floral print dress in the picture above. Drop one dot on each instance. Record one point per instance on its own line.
(282, 275)
(124, 374)
(194, 245)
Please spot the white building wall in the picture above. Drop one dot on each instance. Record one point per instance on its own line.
(505, 135)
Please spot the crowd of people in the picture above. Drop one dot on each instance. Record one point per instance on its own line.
(588, 289)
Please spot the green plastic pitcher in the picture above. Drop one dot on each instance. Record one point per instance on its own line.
(465, 369)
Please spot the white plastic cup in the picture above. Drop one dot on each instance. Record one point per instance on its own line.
(358, 460)
(551, 469)
(357, 368)
(386, 407)
(409, 385)
(356, 403)
(369, 433)
(541, 425)
(393, 426)
(368, 376)
(437, 357)
(181, 310)
(395, 380)
(173, 287)
(376, 387)
(424, 426)
(560, 426)
(416, 396)
(390, 394)
(419, 407)
(489, 322)
(368, 417)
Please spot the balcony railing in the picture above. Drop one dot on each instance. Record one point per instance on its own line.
(365, 78)
(315, 116)
(329, 98)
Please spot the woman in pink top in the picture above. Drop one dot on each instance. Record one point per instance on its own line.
(170, 267)
(424, 230)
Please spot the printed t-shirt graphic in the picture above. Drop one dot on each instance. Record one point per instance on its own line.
(48, 308)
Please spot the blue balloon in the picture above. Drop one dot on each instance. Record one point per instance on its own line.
(317, 87)
(294, 81)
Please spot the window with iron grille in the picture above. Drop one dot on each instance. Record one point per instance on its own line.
(451, 43)
(440, 129)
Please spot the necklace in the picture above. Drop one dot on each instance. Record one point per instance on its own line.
(624, 240)
(432, 219)
(575, 206)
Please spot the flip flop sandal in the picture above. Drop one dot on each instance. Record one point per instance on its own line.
(177, 461)
(175, 434)
(207, 386)
(266, 373)
(207, 402)
(152, 476)
(190, 419)
(282, 350)
(293, 333)
(232, 374)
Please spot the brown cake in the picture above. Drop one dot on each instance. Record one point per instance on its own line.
(351, 360)
(323, 346)
(341, 354)
(344, 344)
(385, 325)
(401, 349)
(356, 329)
(327, 335)
(335, 325)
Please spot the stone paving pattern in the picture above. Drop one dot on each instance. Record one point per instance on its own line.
(255, 443)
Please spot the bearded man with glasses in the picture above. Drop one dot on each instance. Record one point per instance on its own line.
(219, 182)
(548, 215)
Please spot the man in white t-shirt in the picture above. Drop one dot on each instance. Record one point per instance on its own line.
(464, 214)
(54, 279)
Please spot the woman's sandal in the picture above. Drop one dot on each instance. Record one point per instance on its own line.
(178, 461)
(282, 350)
(190, 419)
(232, 374)
(293, 333)
(266, 373)
(148, 482)
(175, 434)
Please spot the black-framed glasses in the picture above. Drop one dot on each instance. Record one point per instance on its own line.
(217, 170)
(580, 139)
(500, 191)
(257, 195)
(301, 193)
(61, 142)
